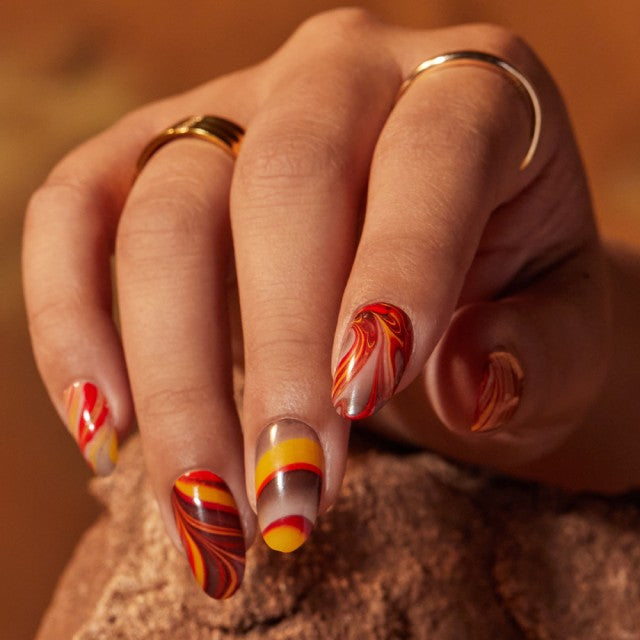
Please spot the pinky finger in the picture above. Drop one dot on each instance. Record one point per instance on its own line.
(67, 244)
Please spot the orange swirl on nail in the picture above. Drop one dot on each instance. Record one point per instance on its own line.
(500, 391)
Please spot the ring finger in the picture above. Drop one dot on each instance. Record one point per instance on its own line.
(172, 258)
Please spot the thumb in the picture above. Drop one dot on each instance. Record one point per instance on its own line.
(525, 368)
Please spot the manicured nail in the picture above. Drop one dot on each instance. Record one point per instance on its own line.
(89, 423)
(209, 526)
(289, 470)
(500, 391)
(374, 356)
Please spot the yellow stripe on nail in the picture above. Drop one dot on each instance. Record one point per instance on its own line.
(295, 450)
(202, 492)
(113, 448)
(196, 561)
(73, 411)
(284, 538)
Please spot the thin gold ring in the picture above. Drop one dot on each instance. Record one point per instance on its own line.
(222, 132)
(480, 58)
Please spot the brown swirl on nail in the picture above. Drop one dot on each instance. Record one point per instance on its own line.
(209, 526)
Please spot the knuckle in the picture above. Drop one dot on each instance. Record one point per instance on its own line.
(49, 325)
(343, 21)
(287, 161)
(278, 347)
(159, 224)
(48, 315)
(502, 41)
(167, 400)
(48, 195)
(61, 192)
(288, 156)
(285, 335)
(336, 40)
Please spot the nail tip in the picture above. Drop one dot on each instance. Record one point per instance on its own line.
(89, 422)
(103, 472)
(286, 549)
(287, 534)
(284, 546)
(228, 593)
(358, 414)
(224, 596)
(341, 411)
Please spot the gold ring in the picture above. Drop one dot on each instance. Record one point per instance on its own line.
(493, 62)
(223, 133)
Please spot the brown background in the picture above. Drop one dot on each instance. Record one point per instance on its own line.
(67, 69)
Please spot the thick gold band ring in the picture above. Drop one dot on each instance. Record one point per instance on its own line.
(223, 133)
(523, 85)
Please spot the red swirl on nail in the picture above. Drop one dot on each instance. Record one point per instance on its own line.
(209, 526)
(88, 421)
(375, 354)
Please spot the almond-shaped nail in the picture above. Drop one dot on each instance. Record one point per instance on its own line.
(89, 422)
(373, 358)
(500, 391)
(209, 526)
(289, 472)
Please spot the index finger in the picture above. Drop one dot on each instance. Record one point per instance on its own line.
(434, 184)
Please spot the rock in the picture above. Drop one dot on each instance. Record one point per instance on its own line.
(415, 547)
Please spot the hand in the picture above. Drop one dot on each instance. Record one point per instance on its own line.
(346, 213)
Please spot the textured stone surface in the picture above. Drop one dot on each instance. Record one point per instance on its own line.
(415, 548)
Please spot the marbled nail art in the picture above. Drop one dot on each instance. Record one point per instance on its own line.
(289, 471)
(209, 527)
(500, 391)
(374, 356)
(89, 423)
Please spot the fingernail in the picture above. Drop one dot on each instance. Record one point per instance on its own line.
(500, 391)
(89, 422)
(374, 356)
(209, 526)
(289, 471)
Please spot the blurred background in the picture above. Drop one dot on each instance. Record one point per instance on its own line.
(69, 68)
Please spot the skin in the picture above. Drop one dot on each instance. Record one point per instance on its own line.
(479, 255)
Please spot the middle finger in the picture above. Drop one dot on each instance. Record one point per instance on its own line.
(297, 188)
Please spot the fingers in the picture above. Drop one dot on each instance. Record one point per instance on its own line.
(172, 260)
(447, 227)
(434, 185)
(295, 197)
(69, 235)
(448, 233)
(68, 240)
